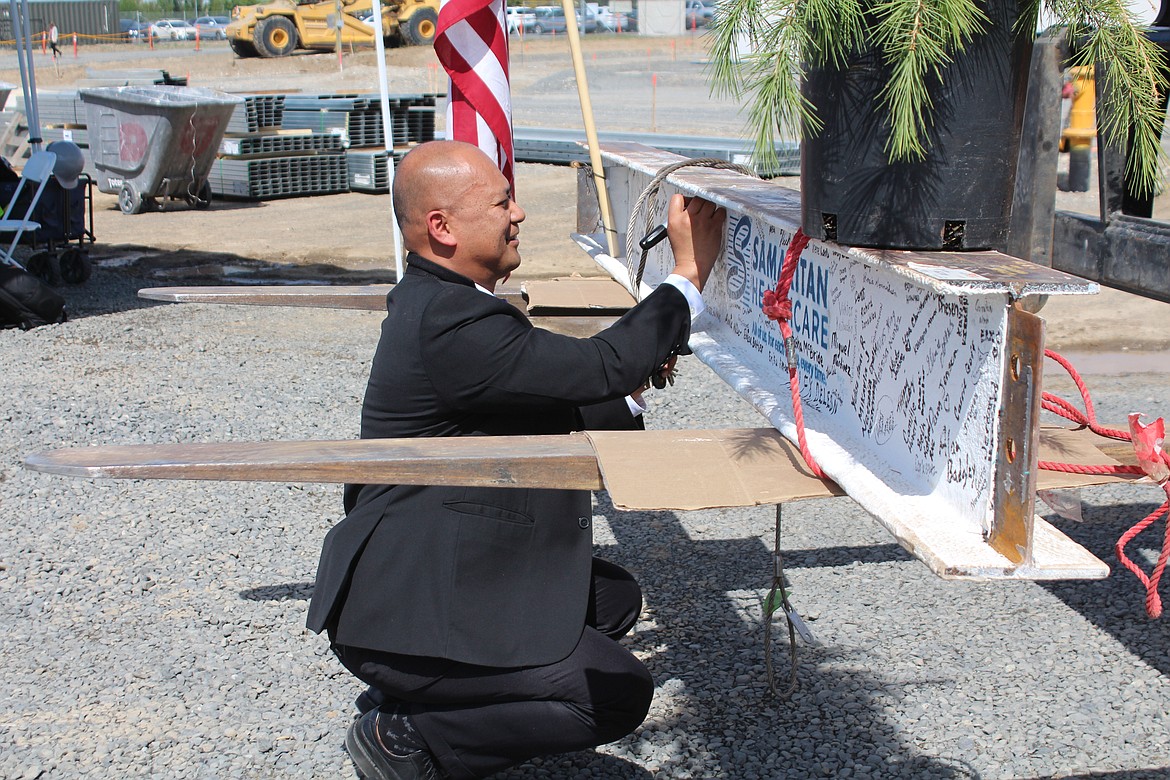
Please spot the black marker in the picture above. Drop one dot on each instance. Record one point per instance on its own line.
(653, 238)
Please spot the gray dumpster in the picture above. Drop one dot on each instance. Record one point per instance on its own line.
(151, 143)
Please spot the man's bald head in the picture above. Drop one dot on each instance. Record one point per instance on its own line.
(434, 175)
(455, 208)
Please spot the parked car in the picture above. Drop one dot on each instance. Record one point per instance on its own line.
(614, 21)
(587, 23)
(132, 30)
(172, 29)
(520, 19)
(549, 19)
(212, 27)
(699, 13)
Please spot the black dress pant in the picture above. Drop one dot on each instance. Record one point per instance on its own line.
(478, 720)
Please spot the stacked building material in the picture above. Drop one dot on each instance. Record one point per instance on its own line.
(57, 109)
(260, 160)
(279, 143)
(263, 178)
(325, 118)
(368, 169)
(260, 111)
(62, 119)
(359, 117)
(286, 145)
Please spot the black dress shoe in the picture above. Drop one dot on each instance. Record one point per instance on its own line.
(374, 762)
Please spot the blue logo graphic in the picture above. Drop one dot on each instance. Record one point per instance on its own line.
(737, 275)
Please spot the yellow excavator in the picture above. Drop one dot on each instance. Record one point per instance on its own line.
(280, 27)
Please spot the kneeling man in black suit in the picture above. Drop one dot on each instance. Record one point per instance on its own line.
(478, 617)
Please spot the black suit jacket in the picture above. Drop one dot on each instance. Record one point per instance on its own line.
(491, 576)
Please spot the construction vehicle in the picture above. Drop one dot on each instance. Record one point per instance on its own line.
(279, 27)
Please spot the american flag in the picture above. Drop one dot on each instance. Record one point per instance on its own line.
(472, 44)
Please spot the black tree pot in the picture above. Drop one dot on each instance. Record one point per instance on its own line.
(957, 198)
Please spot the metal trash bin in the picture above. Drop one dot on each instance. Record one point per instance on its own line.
(157, 142)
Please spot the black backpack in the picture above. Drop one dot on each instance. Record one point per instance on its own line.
(26, 301)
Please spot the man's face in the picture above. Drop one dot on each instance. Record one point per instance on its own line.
(486, 222)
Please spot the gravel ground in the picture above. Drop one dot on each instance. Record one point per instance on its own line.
(155, 629)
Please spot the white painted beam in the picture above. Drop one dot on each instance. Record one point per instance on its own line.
(901, 361)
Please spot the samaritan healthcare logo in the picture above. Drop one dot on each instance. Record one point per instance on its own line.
(754, 261)
(737, 265)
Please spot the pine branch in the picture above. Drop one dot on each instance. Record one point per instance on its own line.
(1133, 84)
(835, 29)
(779, 107)
(916, 38)
(797, 31)
(736, 21)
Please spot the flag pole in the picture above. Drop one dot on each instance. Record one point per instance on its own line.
(387, 132)
(607, 221)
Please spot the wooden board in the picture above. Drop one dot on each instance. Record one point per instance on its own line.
(366, 297)
(568, 320)
(540, 298)
(516, 461)
(558, 462)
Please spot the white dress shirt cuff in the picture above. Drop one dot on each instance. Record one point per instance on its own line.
(635, 407)
(684, 286)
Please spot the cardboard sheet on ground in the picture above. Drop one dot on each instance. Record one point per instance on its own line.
(707, 469)
(703, 469)
(1078, 447)
(592, 295)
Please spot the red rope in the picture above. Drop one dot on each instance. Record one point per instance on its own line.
(778, 308)
(1080, 468)
(1088, 419)
(1153, 600)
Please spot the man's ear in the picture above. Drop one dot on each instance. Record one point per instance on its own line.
(439, 228)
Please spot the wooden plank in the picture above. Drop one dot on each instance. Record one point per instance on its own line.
(423, 461)
(10, 131)
(537, 462)
(364, 297)
(20, 152)
(372, 297)
(483, 461)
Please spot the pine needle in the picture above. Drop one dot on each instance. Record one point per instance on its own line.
(916, 38)
(1133, 85)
